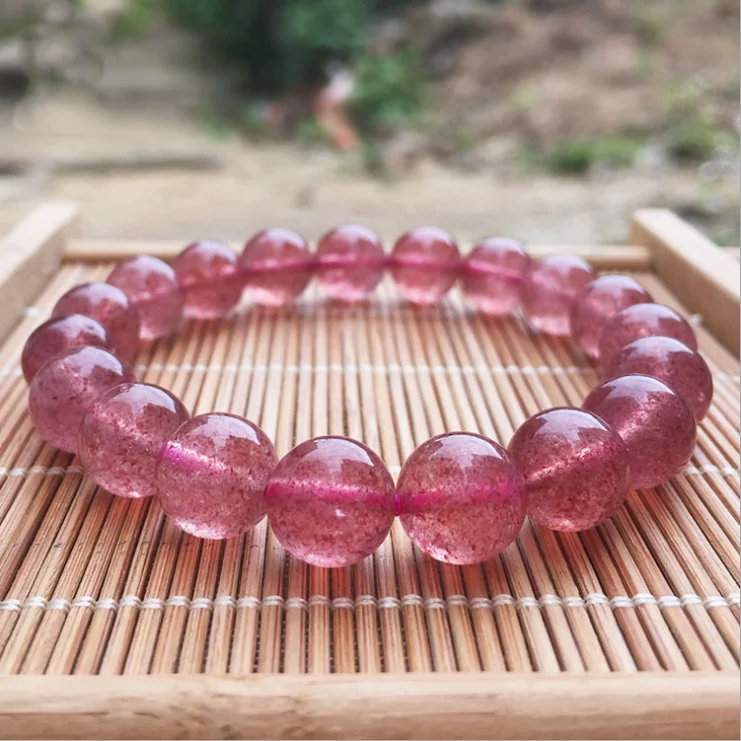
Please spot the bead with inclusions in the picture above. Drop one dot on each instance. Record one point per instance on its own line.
(330, 501)
(460, 498)
(575, 468)
(212, 474)
(65, 387)
(654, 421)
(549, 290)
(425, 264)
(152, 286)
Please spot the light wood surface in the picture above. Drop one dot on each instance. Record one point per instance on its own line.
(462, 706)
(115, 624)
(601, 256)
(29, 255)
(706, 278)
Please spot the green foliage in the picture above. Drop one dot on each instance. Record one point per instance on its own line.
(693, 140)
(309, 131)
(577, 156)
(280, 44)
(134, 20)
(389, 91)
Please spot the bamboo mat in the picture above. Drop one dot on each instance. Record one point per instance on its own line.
(94, 584)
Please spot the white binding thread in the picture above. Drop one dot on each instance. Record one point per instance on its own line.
(408, 600)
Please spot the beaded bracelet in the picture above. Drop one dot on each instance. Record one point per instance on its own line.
(331, 501)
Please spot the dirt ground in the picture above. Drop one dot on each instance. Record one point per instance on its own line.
(141, 164)
(115, 165)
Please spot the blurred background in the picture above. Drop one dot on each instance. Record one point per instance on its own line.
(545, 120)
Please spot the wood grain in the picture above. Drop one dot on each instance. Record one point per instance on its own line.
(662, 706)
(704, 277)
(30, 255)
(615, 257)
(115, 624)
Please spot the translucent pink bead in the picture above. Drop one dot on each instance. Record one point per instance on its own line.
(670, 361)
(212, 475)
(575, 468)
(110, 307)
(642, 320)
(57, 336)
(425, 263)
(350, 262)
(152, 287)
(460, 498)
(65, 387)
(122, 433)
(655, 423)
(598, 302)
(549, 290)
(277, 266)
(210, 279)
(493, 275)
(330, 501)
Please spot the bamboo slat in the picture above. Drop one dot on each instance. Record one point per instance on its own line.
(641, 611)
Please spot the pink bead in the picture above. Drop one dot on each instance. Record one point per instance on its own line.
(122, 433)
(212, 475)
(655, 423)
(598, 302)
(209, 276)
(152, 287)
(425, 264)
(56, 336)
(460, 499)
(277, 266)
(65, 387)
(330, 501)
(549, 290)
(575, 468)
(672, 362)
(109, 307)
(642, 320)
(350, 262)
(493, 275)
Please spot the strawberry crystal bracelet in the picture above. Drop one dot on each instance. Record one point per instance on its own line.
(331, 501)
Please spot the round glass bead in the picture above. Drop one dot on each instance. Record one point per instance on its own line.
(152, 287)
(350, 262)
(110, 307)
(65, 387)
(493, 275)
(56, 336)
(424, 264)
(642, 320)
(655, 423)
(277, 266)
(549, 290)
(330, 501)
(575, 467)
(460, 498)
(122, 433)
(210, 279)
(212, 475)
(598, 302)
(670, 361)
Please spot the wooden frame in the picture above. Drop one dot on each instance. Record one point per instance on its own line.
(461, 705)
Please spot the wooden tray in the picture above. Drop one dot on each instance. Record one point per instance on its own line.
(114, 624)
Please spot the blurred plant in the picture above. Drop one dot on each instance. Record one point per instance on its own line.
(524, 98)
(577, 156)
(280, 44)
(700, 140)
(389, 90)
(309, 131)
(134, 20)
